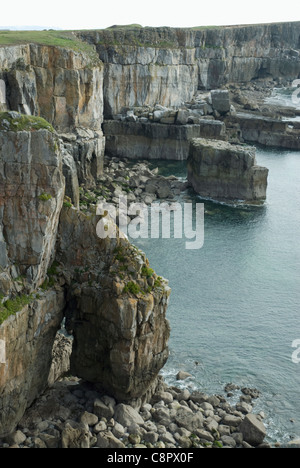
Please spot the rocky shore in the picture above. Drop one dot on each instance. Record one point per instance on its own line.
(74, 414)
(138, 182)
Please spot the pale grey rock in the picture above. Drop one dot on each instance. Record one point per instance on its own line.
(189, 420)
(220, 101)
(126, 415)
(17, 438)
(244, 407)
(228, 441)
(102, 410)
(222, 171)
(108, 440)
(89, 419)
(118, 430)
(205, 435)
(231, 420)
(253, 430)
(182, 375)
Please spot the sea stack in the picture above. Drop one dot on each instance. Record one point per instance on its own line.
(225, 172)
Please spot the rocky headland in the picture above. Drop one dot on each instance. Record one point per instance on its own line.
(71, 112)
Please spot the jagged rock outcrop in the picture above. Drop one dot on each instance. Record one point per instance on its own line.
(113, 301)
(116, 309)
(226, 172)
(268, 131)
(28, 337)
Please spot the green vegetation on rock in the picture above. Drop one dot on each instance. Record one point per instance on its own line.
(45, 197)
(12, 306)
(15, 122)
(65, 39)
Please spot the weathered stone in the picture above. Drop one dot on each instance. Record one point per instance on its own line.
(75, 435)
(27, 335)
(155, 140)
(220, 101)
(16, 438)
(182, 375)
(108, 440)
(228, 441)
(102, 410)
(126, 415)
(253, 430)
(222, 171)
(124, 350)
(232, 420)
(189, 420)
(61, 352)
(32, 185)
(89, 419)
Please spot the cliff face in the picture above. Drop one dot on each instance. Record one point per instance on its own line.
(31, 195)
(118, 319)
(114, 304)
(168, 65)
(65, 88)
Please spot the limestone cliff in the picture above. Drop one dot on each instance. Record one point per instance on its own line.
(31, 196)
(52, 264)
(102, 286)
(65, 88)
(168, 65)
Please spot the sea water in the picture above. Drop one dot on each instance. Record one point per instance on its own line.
(235, 303)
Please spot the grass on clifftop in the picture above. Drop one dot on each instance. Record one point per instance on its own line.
(15, 122)
(65, 39)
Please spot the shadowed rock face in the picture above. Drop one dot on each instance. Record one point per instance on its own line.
(118, 319)
(120, 338)
(221, 171)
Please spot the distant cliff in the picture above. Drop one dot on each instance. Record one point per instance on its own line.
(168, 65)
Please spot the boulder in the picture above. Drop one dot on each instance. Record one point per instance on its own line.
(253, 430)
(127, 416)
(186, 418)
(220, 101)
(75, 435)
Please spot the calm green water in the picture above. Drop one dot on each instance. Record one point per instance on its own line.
(234, 307)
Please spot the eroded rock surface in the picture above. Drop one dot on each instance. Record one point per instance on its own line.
(222, 171)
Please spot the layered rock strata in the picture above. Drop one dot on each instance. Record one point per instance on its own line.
(222, 171)
(268, 131)
(168, 65)
(139, 140)
(28, 337)
(65, 88)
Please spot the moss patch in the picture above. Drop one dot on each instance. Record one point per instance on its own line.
(15, 122)
(12, 306)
